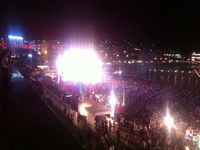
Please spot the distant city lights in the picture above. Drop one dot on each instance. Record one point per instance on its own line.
(43, 66)
(13, 37)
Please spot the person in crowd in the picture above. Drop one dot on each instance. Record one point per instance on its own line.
(5, 69)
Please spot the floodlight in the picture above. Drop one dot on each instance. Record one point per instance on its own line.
(80, 65)
(169, 121)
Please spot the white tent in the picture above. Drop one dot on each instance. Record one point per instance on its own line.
(94, 109)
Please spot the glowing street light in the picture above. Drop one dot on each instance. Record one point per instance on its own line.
(112, 101)
(169, 121)
(30, 55)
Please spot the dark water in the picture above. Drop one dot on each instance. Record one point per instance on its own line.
(189, 80)
(179, 75)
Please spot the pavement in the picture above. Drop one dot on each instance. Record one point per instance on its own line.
(26, 122)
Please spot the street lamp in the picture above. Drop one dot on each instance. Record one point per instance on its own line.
(30, 55)
(123, 103)
(123, 94)
(169, 121)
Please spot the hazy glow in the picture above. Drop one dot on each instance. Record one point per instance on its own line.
(169, 121)
(82, 109)
(112, 101)
(12, 37)
(30, 55)
(80, 66)
(187, 148)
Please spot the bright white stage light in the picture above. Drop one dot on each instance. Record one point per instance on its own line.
(187, 148)
(80, 66)
(169, 121)
(113, 102)
(82, 109)
(112, 99)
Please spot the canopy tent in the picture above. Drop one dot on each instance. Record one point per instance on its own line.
(98, 109)
(93, 109)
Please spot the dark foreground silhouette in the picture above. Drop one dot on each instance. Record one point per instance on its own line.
(25, 122)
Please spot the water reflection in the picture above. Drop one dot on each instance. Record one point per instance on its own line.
(189, 80)
(176, 75)
(185, 80)
(182, 80)
(175, 80)
(161, 78)
(168, 78)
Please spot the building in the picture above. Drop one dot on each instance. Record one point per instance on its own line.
(195, 58)
(15, 41)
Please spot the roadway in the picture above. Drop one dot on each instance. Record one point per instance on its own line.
(26, 122)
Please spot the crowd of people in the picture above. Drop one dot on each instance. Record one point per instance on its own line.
(140, 124)
(146, 103)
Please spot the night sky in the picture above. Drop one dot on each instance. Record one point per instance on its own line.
(169, 24)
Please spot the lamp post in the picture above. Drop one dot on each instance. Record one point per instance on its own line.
(169, 121)
(123, 91)
(123, 103)
(112, 101)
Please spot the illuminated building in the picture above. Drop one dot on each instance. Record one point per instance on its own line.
(195, 58)
(15, 41)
